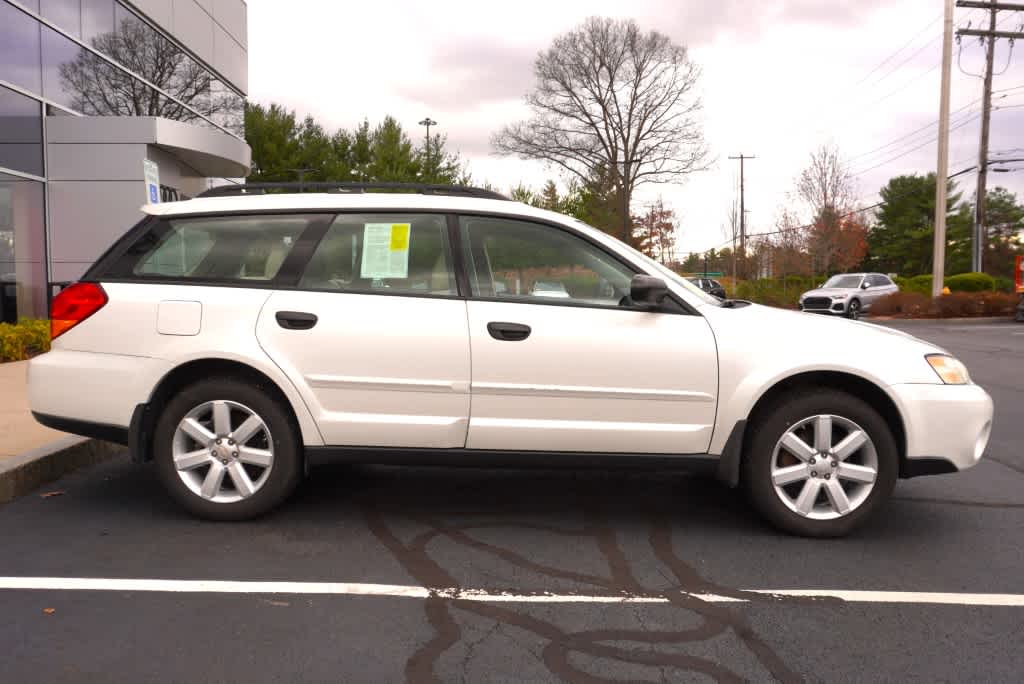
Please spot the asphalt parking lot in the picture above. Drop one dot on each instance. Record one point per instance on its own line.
(487, 575)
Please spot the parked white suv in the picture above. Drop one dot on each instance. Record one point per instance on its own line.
(848, 294)
(237, 338)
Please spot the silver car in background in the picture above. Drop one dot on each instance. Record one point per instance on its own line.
(848, 294)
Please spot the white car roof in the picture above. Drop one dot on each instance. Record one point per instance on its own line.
(346, 201)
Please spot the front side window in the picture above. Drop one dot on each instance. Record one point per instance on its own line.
(231, 248)
(532, 262)
(384, 253)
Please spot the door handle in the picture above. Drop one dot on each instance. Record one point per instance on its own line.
(508, 332)
(295, 320)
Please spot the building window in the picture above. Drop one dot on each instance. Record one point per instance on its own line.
(97, 18)
(65, 14)
(21, 133)
(19, 48)
(22, 240)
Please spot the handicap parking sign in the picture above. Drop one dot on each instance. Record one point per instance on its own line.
(151, 174)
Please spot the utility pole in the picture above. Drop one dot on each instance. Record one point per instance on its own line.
(942, 170)
(743, 211)
(990, 36)
(428, 122)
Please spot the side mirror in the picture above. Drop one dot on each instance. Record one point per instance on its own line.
(865, 286)
(649, 290)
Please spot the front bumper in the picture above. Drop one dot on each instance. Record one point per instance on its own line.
(836, 308)
(951, 423)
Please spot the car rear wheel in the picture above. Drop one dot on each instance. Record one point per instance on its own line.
(819, 465)
(225, 450)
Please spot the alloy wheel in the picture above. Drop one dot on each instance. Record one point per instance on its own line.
(223, 451)
(824, 467)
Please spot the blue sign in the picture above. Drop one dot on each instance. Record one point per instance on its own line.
(151, 175)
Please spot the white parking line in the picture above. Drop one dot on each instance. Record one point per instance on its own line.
(406, 591)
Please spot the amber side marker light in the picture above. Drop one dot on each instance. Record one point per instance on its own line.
(74, 304)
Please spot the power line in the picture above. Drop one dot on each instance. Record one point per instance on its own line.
(911, 134)
(915, 148)
(848, 214)
(901, 49)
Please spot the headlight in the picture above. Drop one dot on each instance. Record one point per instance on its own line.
(950, 370)
(840, 296)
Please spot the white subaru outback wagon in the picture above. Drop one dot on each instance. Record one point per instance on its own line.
(239, 337)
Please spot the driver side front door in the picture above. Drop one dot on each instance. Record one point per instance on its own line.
(562, 361)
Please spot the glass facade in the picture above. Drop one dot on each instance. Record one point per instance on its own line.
(21, 132)
(103, 61)
(22, 256)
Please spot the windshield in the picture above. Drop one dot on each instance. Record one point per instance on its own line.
(847, 282)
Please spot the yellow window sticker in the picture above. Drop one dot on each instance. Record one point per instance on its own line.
(399, 236)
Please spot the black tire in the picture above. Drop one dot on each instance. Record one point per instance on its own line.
(771, 425)
(285, 473)
(853, 310)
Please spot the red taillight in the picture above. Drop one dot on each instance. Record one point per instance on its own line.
(74, 304)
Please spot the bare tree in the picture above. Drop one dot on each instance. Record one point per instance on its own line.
(732, 231)
(611, 97)
(826, 186)
(99, 88)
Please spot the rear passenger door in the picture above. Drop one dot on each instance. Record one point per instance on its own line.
(881, 287)
(374, 334)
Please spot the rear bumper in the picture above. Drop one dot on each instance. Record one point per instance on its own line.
(88, 393)
(947, 426)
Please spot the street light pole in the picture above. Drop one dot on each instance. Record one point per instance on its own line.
(302, 177)
(428, 122)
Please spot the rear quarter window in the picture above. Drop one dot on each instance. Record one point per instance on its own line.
(227, 248)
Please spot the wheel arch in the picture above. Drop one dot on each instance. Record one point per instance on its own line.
(855, 385)
(146, 415)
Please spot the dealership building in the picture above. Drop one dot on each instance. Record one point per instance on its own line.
(106, 105)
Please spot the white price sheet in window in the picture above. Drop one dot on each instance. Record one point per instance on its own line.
(385, 250)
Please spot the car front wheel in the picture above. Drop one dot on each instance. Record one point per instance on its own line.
(226, 450)
(820, 464)
(853, 310)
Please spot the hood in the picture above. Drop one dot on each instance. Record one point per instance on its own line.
(798, 330)
(828, 292)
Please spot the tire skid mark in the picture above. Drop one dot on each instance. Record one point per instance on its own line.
(560, 644)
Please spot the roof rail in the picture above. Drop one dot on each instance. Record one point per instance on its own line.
(351, 188)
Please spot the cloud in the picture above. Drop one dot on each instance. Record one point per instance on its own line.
(475, 71)
(779, 78)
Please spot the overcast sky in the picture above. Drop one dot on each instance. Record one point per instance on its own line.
(779, 78)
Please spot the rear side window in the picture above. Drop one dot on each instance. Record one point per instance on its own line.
(383, 253)
(227, 248)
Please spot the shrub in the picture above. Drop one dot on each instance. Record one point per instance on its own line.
(770, 292)
(907, 304)
(921, 284)
(954, 305)
(971, 282)
(25, 338)
(1004, 284)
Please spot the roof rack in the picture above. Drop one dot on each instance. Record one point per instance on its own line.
(351, 188)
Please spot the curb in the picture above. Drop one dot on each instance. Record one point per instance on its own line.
(24, 473)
